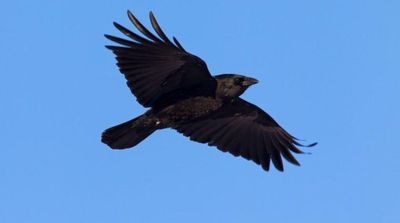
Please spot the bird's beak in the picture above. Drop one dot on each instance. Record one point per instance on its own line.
(250, 81)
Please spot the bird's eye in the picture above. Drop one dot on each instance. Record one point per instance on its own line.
(238, 81)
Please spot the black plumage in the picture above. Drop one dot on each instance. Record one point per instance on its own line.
(182, 94)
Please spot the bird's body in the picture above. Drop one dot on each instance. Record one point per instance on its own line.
(187, 110)
(182, 94)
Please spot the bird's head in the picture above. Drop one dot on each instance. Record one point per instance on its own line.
(233, 85)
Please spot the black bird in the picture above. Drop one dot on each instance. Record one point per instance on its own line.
(182, 94)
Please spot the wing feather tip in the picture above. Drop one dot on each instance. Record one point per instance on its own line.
(178, 44)
(116, 24)
(312, 144)
(109, 47)
(266, 168)
(110, 37)
(302, 145)
(120, 27)
(128, 12)
(133, 19)
(295, 162)
(280, 169)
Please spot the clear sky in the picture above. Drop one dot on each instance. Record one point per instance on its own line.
(329, 71)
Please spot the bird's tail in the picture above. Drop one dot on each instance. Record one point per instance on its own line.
(128, 134)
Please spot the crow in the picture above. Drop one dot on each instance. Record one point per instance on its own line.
(181, 94)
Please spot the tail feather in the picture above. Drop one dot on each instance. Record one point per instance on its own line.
(127, 134)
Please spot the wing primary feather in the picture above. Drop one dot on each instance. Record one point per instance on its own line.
(121, 41)
(276, 156)
(295, 141)
(262, 152)
(291, 142)
(294, 149)
(267, 160)
(277, 160)
(131, 34)
(142, 29)
(115, 48)
(178, 44)
(285, 151)
(158, 30)
(311, 145)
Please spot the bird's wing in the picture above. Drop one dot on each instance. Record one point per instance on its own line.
(243, 129)
(158, 70)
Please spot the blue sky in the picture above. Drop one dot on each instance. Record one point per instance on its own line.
(329, 72)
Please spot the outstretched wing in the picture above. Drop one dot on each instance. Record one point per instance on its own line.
(243, 129)
(158, 71)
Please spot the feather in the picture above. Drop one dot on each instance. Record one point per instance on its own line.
(158, 30)
(143, 29)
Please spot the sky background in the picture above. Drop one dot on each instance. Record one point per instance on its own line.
(329, 71)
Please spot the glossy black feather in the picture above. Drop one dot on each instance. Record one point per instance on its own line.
(264, 140)
(142, 28)
(157, 71)
(158, 30)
